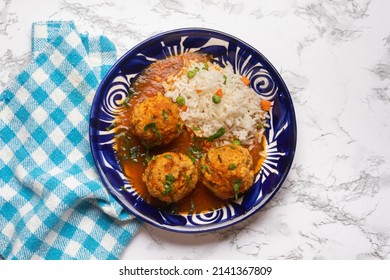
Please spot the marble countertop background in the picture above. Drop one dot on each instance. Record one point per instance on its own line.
(334, 56)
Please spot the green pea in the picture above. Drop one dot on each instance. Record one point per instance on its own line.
(216, 99)
(191, 74)
(180, 100)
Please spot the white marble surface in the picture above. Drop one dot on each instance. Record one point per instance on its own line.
(334, 56)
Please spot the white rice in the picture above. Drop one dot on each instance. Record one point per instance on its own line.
(239, 111)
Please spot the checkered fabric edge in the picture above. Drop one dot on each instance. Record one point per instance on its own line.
(52, 202)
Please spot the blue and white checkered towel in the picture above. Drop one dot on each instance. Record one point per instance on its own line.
(52, 202)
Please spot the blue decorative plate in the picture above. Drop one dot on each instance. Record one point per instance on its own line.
(280, 137)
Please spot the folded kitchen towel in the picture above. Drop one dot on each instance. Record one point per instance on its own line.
(52, 202)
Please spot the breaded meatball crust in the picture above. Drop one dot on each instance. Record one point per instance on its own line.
(170, 176)
(227, 170)
(156, 120)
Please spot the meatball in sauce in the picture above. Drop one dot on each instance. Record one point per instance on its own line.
(156, 121)
(170, 176)
(227, 171)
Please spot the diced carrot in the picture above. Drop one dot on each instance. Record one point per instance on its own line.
(219, 92)
(245, 80)
(265, 105)
(198, 90)
(183, 108)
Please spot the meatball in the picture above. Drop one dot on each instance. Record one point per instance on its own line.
(170, 176)
(156, 120)
(227, 171)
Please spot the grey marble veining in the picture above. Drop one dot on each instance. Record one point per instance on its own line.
(335, 59)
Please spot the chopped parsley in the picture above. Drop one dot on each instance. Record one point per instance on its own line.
(134, 153)
(126, 101)
(111, 126)
(188, 180)
(216, 135)
(232, 166)
(168, 184)
(192, 158)
(152, 127)
(236, 187)
(194, 153)
(164, 114)
(205, 167)
(179, 129)
(192, 207)
(120, 135)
